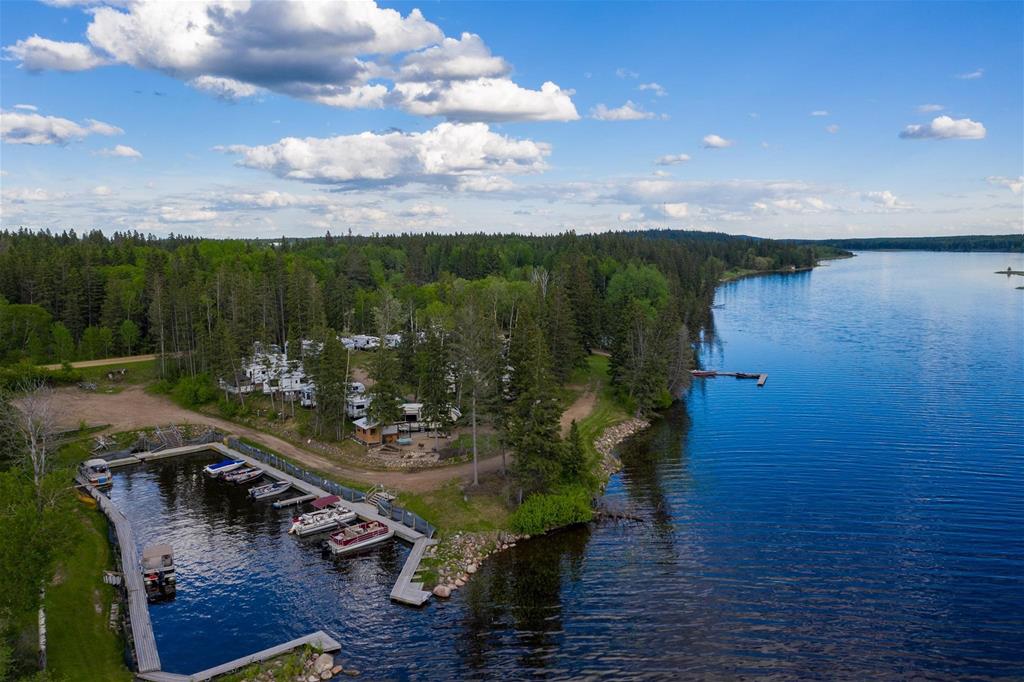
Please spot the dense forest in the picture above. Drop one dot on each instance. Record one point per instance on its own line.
(1007, 243)
(492, 324)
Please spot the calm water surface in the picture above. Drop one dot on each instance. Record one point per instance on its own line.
(861, 516)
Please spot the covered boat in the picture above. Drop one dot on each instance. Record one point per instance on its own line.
(359, 536)
(158, 572)
(262, 492)
(96, 472)
(321, 520)
(243, 475)
(222, 467)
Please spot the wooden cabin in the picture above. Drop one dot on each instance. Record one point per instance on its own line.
(372, 433)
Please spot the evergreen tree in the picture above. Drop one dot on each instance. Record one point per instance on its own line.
(332, 382)
(438, 398)
(385, 394)
(478, 354)
(574, 457)
(563, 340)
(533, 417)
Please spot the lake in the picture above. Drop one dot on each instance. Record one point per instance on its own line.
(860, 516)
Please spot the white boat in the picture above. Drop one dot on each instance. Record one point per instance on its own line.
(96, 472)
(158, 572)
(243, 475)
(223, 467)
(262, 492)
(321, 520)
(359, 536)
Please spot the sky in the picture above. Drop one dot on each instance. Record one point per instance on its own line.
(269, 118)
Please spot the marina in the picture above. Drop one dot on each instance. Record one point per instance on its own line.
(329, 512)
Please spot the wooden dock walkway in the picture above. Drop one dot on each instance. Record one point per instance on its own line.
(292, 501)
(146, 655)
(318, 639)
(405, 590)
(761, 377)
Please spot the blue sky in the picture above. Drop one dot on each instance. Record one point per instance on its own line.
(268, 118)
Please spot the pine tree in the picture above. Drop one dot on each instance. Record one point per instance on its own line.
(533, 417)
(478, 354)
(574, 457)
(385, 394)
(332, 383)
(438, 398)
(563, 339)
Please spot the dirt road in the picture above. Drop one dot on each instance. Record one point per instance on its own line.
(133, 408)
(581, 408)
(106, 361)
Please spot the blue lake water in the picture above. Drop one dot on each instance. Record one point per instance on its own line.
(861, 516)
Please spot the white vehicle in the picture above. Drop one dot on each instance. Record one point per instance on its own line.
(96, 472)
(321, 520)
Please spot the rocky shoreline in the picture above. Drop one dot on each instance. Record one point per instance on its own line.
(460, 556)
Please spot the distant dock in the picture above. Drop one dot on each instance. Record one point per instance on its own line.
(762, 378)
(1009, 272)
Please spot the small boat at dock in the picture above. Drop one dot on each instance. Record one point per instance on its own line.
(158, 572)
(359, 536)
(245, 475)
(262, 492)
(321, 520)
(96, 472)
(222, 467)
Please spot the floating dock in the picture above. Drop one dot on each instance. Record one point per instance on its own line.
(292, 501)
(761, 377)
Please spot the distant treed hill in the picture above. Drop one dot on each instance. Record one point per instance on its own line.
(1012, 243)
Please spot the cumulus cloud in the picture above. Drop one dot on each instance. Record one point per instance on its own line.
(672, 159)
(338, 54)
(886, 199)
(833, 128)
(623, 72)
(653, 87)
(225, 88)
(20, 127)
(185, 214)
(26, 107)
(1013, 184)
(971, 75)
(24, 195)
(945, 128)
(446, 155)
(121, 150)
(674, 210)
(803, 204)
(464, 58)
(627, 112)
(929, 108)
(102, 191)
(819, 112)
(490, 99)
(41, 54)
(713, 141)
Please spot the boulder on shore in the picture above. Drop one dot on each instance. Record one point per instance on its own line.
(323, 663)
(442, 591)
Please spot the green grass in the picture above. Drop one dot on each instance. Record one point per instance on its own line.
(447, 509)
(80, 645)
(607, 411)
(285, 667)
(355, 485)
(736, 273)
(136, 373)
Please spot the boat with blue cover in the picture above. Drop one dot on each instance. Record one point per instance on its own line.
(222, 467)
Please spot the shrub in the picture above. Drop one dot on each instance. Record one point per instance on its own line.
(194, 391)
(543, 512)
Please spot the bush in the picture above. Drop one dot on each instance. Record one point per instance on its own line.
(543, 512)
(194, 391)
(23, 374)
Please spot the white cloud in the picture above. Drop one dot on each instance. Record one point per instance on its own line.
(40, 54)
(672, 159)
(225, 88)
(26, 107)
(185, 214)
(929, 108)
(674, 210)
(653, 87)
(886, 200)
(102, 191)
(121, 150)
(1013, 184)
(623, 72)
(801, 205)
(464, 58)
(18, 127)
(339, 54)
(819, 112)
(627, 112)
(833, 128)
(713, 141)
(24, 195)
(945, 128)
(443, 155)
(971, 75)
(488, 99)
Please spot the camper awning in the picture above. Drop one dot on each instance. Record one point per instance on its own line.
(322, 502)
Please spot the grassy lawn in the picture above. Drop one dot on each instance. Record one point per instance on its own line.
(355, 485)
(135, 373)
(80, 645)
(736, 273)
(448, 510)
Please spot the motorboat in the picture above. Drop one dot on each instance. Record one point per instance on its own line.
(222, 467)
(263, 492)
(158, 572)
(359, 536)
(321, 520)
(96, 472)
(243, 475)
